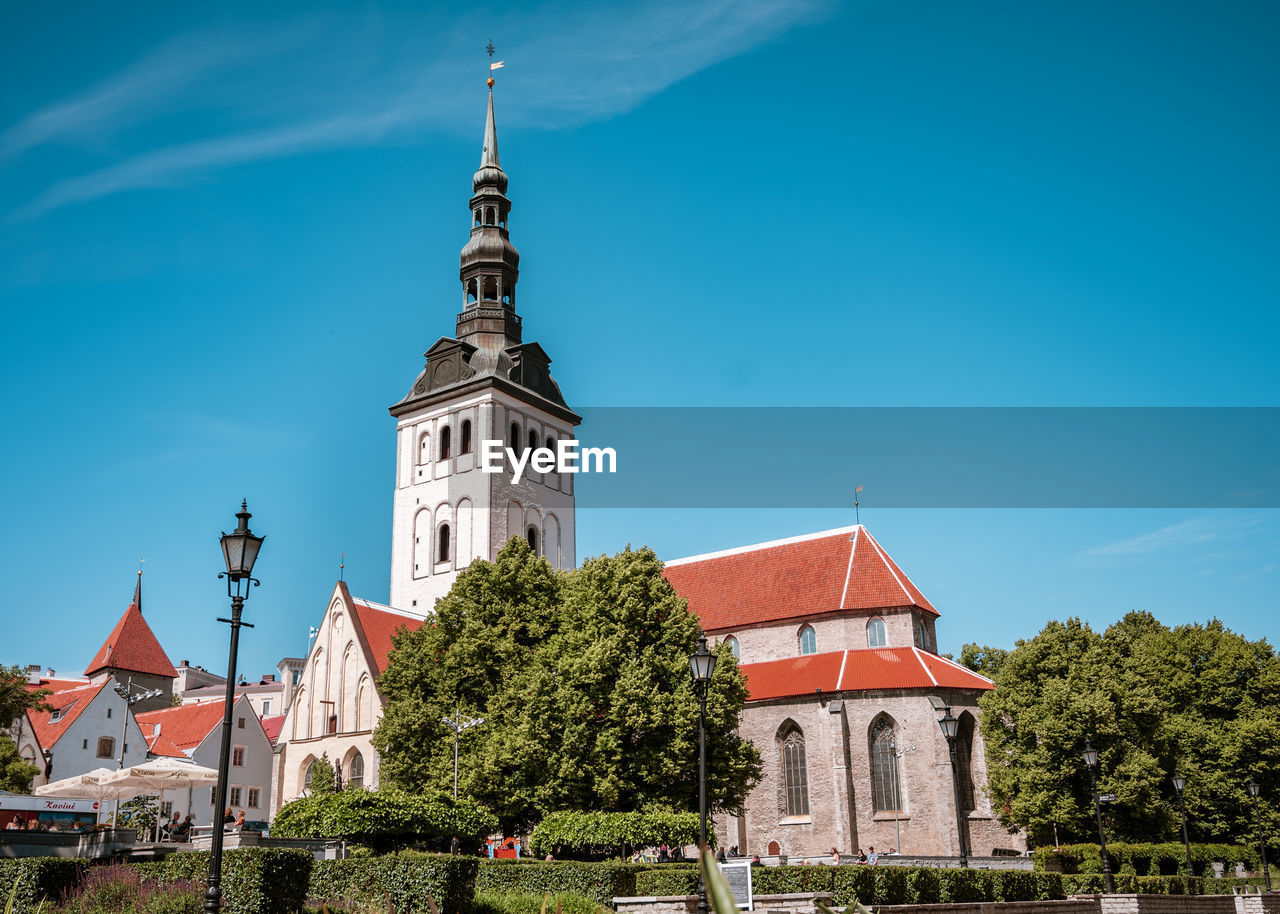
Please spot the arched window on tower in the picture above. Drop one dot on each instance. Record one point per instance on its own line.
(533, 440)
(875, 633)
(477, 222)
(551, 444)
(464, 446)
(514, 441)
(489, 216)
(442, 541)
(355, 770)
(795, 772)
(885, 795)
(734, 646)
(490, 288)
(532, 536)
(808, 640)
(445, 443)
(424, 448)
(471, 291)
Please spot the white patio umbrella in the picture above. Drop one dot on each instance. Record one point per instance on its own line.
(88, 785)
(157, 776)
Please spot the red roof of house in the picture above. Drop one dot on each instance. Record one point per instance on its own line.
(379, 623)
(56, 685)
(159, 744)
(786, 579)
(271, 726)
(185, 726)
(68, 705)
(132, 646)
(858, 670)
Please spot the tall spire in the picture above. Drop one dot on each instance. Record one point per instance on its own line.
(137, 592)
(489, 155)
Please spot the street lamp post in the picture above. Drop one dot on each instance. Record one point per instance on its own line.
(702, 664)
(457, 724)
(1179, 782)
(950, 725)
(1254, 790)
(1091, 762)
(240, 550)
(130, 699)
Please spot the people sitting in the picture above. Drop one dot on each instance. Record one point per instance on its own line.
(835, 857)
(861, 857)
(15, 823)
(182, 831)
(239, 822)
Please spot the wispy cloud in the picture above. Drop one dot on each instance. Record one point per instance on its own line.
(573, 66)
(1205, 529)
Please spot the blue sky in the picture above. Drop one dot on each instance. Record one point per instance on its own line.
(228, 234)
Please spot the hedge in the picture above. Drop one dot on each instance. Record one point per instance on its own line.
(254, 879)
(1167, 859)
(673, 879)
(606, 834)
(38, 879)
(563, 903)
(385, 820)
(601, 882)
(403, 882)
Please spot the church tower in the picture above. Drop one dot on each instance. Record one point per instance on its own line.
(483, 384)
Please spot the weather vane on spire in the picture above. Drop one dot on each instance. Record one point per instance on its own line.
(493, 65)
(856, 501)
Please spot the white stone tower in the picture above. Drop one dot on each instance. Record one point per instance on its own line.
(483, 384)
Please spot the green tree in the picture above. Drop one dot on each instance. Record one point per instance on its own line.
(582, 681)
(1198, 699)
(15, 698)
(323, 777)
(15, 774)
(984, 660)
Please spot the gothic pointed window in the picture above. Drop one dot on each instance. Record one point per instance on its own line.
(876, 633)
(464, 446)
(795, 773)
(355, 771)
(445, 443)
(964, 762)
(808, 640)
(442, 544)
(885, 794)
(734, 646)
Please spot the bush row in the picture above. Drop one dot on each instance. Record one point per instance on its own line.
(402, 882)
(926, 885)
(605, 834)
(1165, 859)
(255, 880)
(601, 882)
(38, 878)
(563, 903)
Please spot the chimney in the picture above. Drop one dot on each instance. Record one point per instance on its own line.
(51, 673)
(33, 674)
(183, 663)
(270, 678)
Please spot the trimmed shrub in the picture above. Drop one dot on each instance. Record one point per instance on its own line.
(850, 883)
(38, 879)
(564, 903)
(599, 881)
(668, 880)
(1165, 859)
(923, 885)
(402, 881)
(254, 879)
(891, 884)
(781, 880)
(385, 820)
(606, 834)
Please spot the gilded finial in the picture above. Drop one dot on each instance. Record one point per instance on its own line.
(493, 65)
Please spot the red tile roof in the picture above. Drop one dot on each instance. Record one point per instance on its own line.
(857, 670)
(185, 726)
(271, 726)
(56, 685)
(69, 704)
(786, 579)
(379, 623)
(133, 647)
(159, 744)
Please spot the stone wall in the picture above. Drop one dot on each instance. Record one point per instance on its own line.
(837, 733)
(803, 903)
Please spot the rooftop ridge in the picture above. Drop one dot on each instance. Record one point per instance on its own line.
(383, 607)
(786, 541)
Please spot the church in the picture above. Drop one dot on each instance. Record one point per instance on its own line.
(838, 646)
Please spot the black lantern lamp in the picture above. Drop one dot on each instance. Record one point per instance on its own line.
(1091, 762)
(240, 551)
(1255, 789)
(950, 725)
(702, 664)
(1180, 784)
